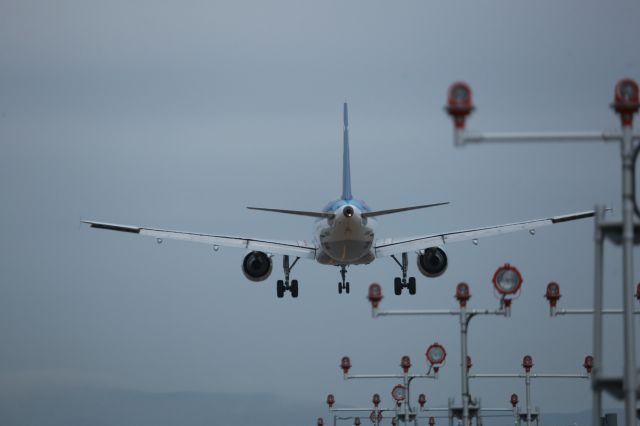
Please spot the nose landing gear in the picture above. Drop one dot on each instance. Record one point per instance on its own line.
(344, 285)
(283, 285)
(401, 283)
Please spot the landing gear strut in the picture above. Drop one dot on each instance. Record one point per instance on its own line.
(283, 286)
(400, 283)
(344, 285)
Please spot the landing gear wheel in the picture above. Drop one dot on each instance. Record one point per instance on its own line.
(280, 289)
(343, 285)
(400, 283)
(397, 286)
(284, 285)
(412, 285)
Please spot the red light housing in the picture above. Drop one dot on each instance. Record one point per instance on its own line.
(459, 103)
(399, 393)
(432, 421)
(514, 400)
(320, 422)
(588, 363)
(422, 399)
(463, 294)
(436, 354)
(356, 422)
(626, 100)
(405, 363)
(507, 280)
(375, 294)
(330, 400)
(527, 363)
(375, 400)
(345, 364)
(553, 293)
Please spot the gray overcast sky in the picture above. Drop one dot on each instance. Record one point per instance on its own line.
(180, 114)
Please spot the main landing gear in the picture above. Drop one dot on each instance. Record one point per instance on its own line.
(283, 286)
(344, 285)
(400, 283)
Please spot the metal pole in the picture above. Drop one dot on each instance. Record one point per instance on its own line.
(405, 403)
(627, 289)
(596, 409)
(463, 366)
(527, 381)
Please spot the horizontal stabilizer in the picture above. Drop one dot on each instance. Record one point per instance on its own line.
(322, 215)
(402, 209)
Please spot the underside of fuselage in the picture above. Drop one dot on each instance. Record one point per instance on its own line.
(347, 238)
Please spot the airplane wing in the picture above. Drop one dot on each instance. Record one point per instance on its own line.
(292, 248)
(389, 246)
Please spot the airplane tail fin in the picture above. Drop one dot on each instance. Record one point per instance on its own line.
(346, 165)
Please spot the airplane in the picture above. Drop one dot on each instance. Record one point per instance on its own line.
(344, 236)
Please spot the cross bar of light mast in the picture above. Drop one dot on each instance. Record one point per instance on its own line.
(532, 375)
(392, 376)
(463, 137)
(361, 409)
(590, 311)
(418, 312)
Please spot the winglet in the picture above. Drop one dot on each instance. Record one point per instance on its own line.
(573, 216)
(113, 226)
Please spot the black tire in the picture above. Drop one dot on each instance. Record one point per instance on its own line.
(280, 289)
(412, 285)
(294, 288)
(346, 288)
(339, 288)
(397, 286)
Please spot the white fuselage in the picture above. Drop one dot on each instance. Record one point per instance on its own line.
(347, 238)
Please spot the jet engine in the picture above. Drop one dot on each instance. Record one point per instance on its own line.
(257, 266)
(432, 262)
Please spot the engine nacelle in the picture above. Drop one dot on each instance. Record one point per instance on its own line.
(433, 262)
(257, 266)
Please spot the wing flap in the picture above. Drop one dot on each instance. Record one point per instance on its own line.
(293, 248)
(389, 246)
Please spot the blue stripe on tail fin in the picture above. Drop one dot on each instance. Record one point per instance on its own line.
(346, 167)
